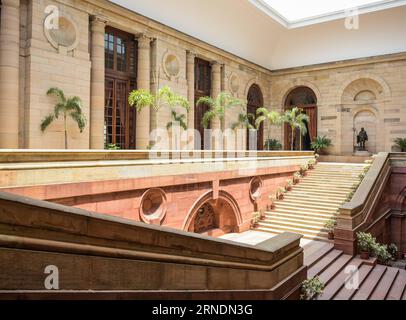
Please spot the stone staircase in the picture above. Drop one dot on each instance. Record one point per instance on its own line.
(313, 201)
(376, 282)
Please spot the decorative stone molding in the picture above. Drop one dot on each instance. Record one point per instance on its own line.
(66, 37)
(171, 65)
(256, 188)
(153, 206)
(234, 83)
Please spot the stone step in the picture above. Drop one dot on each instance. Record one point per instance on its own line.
(326, 184)
(321, 190)
(306, 234)
(338, 282)
(331, 175)
(348, 293)
(301, 204)
(292, 208)
(366, 289)
(311, 259)
(323, 263)
(309, 217)
(385, 284)
(333, 269)
(399, 286)
(303, 225)
(293, 199)
(281, 220)
(318, 196)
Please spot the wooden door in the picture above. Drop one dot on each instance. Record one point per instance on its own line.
(202, 89)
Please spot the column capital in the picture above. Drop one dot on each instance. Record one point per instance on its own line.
(10, 3)
(216, 66)
(98, 20)
(190, 56)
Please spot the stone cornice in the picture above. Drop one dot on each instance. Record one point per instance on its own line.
(152, 26)
(341, 64)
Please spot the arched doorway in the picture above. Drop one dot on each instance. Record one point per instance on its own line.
(214, 217)
(255, 100)
(305, 99)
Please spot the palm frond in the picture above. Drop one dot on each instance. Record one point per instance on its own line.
(74, 104)
(58, 93)
(141, 98)
(47, 121)
(80, 119)
(206, 101)
(207, 118)
(59, 108)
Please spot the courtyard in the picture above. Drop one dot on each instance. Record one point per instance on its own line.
(182, 153)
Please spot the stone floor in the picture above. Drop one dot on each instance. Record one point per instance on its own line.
(255, 237)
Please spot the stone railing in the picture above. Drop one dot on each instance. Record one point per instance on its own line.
(357, 215)
(29, 156)
(97, 254)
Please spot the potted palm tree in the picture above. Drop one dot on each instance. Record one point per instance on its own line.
(67, 108)
(272, 144)
(296, 120)
(401, 144)
(217, 107)
(272, 118)
(320, 144)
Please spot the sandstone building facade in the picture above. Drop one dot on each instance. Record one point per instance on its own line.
(101, 51)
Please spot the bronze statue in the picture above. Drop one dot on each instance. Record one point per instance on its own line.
(361, 139)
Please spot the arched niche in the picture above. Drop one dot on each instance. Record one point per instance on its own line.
(214, 217)
(255, 100)
(368, 120)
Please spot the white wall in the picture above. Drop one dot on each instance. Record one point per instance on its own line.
(239, 27)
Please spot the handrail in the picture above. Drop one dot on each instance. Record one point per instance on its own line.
(369, 191)
(22, 155)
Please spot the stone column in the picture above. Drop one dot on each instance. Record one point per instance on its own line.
(190, 75)
(143, 82)
(216, 88)
(9, 73)
(98, 26)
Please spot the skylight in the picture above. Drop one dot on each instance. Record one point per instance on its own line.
(297, 13)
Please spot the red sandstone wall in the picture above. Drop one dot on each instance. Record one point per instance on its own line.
(122, 198)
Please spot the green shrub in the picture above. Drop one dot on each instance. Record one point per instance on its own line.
(112, 146)
(272, 144)
(321, 143)
(366, 242)
(380, 251)
(401, 144)
(393, 251)
(330, 225)
(312, 288)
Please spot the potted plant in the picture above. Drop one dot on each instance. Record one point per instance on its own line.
(296, 177)
(330, 225)
(311, 289)
(272, 200)
(350, 196)
(289, 184)
(366, 243)
(256, 217)
(303, 169)
(380, 251)
(400, 143)
(311, 164)
(280, 192)
(272, 144)
(320, 144)
(393, 251)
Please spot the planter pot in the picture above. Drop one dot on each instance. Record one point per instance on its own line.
(364, 255)
(331, 235)
(289, 188)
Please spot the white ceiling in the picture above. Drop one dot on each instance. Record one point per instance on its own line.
(240, 27)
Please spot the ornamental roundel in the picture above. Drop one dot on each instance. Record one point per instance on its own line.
(153, 206)
(171, 65)
(256, 188)
(64, 34)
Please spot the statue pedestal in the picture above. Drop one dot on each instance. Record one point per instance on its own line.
(362, 154)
